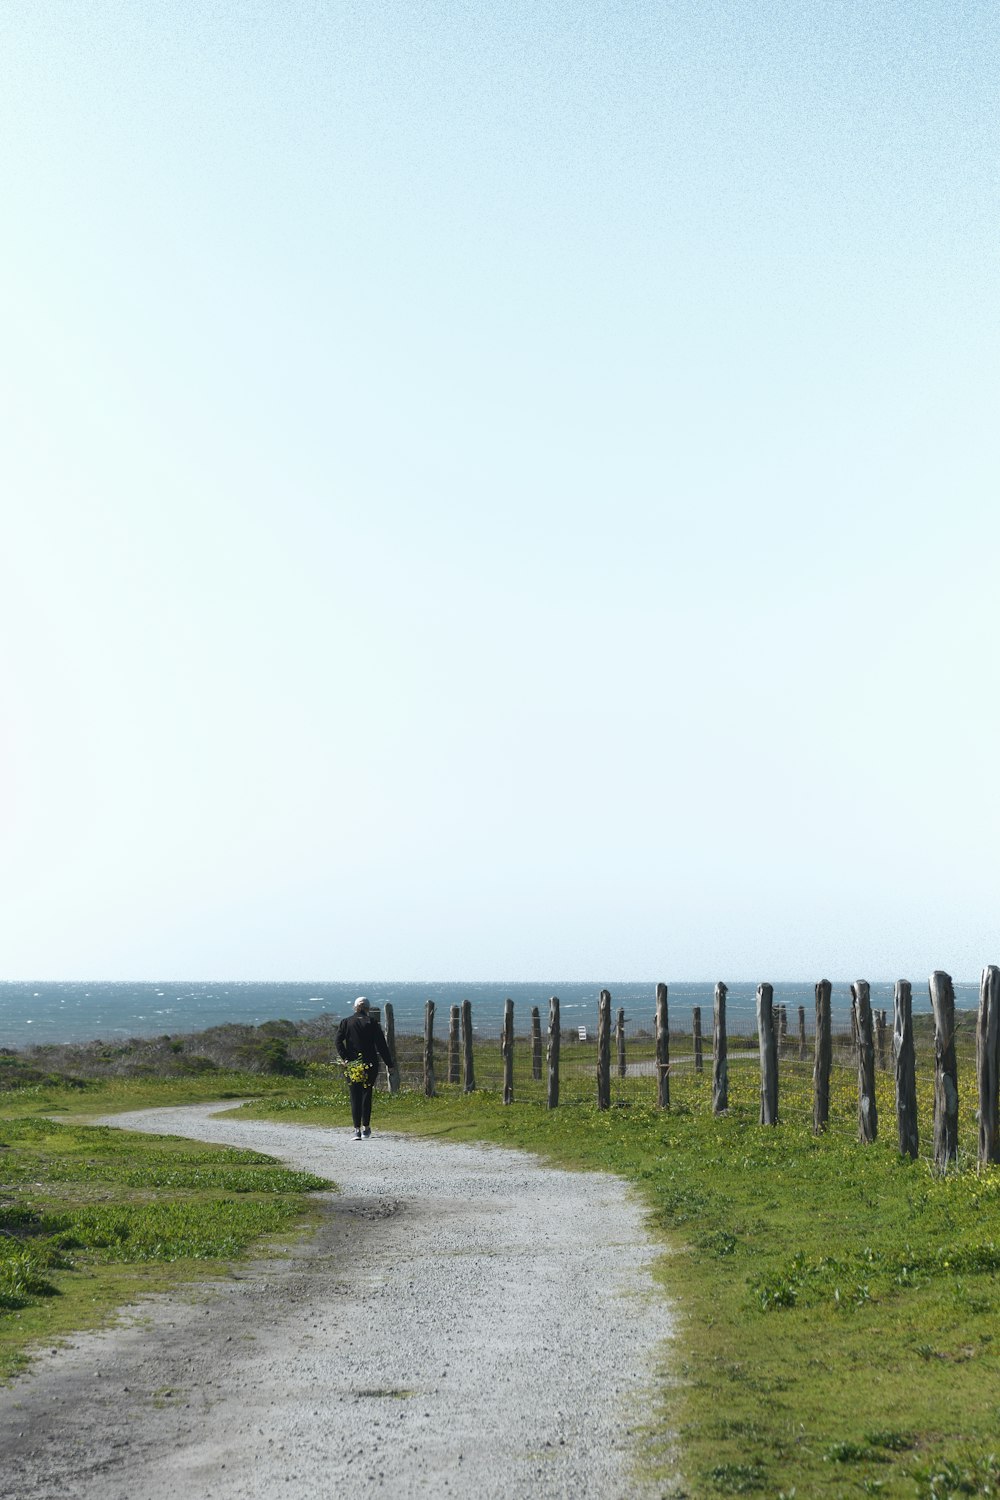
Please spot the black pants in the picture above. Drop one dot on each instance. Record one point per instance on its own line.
(361, 1105)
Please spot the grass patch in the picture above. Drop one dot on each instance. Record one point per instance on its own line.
(837, 1304)
(90, 1099)
(91, 1217)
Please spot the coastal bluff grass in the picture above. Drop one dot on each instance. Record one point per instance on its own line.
(93, 1217)
(837, 1304)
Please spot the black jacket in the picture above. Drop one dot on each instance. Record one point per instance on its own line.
(361, 1036)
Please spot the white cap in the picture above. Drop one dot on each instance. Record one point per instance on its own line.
(361, 1002)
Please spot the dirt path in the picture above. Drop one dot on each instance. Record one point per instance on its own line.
(465, 1322)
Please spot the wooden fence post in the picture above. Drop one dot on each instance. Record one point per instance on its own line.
(699, 1061)
(720, 1052)
(945, 1070)
(390, 1037)
(620, 1042)
(469, 1080)
(768, 1043)
(803, 1053)
(822, 1057)
(604, 1050)
(662, 1048)
(782, 1017)
(507, 1051)
(454, 1071)
(988, 1064)
(867, 1107)
(905, 1062)
(553, 1052)
(429, 1089)
(536, 1043)
(880, 1031)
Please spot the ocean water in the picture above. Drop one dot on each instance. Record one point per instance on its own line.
(82, 1010)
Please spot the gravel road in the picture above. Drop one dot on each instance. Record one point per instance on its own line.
(464, 1320)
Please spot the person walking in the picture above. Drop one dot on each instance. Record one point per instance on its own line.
(360, 1043)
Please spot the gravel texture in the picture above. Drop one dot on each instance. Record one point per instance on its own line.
(464, 1321)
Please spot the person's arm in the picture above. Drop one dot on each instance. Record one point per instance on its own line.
(341, 1040)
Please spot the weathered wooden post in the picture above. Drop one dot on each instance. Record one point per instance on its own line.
(390, 1037)
(720, 1052)
(988, 1064)
(782, 1011)
(662, 1048)
(453, 1053)
(768, 1043)
(536, 1043)
(867, 1107)
(880, 1031)
(604, 1050)
(822, 1057)
(429, 1049)
(945, 1070)
(469, 1081)
(507, 1051)
(905, 1062)
(553, 1052)
(803, 1053)
(699, 1061)
(620, 1042)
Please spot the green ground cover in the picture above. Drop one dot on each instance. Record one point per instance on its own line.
(91, 1217)
(837, 1305)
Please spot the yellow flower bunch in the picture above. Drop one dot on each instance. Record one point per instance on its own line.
(356, 1071)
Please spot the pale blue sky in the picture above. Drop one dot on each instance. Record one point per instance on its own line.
(500, 491)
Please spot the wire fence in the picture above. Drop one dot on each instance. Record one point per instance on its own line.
(634, 1068)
